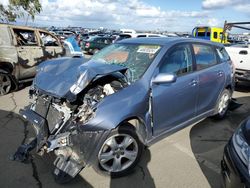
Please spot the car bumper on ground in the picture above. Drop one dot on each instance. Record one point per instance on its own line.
(234, 172)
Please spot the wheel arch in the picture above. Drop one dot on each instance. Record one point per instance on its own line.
(7, 66)
(229, 87)
(138, 125)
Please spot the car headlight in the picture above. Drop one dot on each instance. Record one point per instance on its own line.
(241, 147)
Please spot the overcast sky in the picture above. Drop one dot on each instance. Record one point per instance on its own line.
(170, 15)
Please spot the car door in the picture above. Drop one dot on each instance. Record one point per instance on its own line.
(29, 51)
(174, 103)
(211, 77)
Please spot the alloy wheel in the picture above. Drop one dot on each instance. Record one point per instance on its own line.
(118, 153)
(223, 103)
(5, 84)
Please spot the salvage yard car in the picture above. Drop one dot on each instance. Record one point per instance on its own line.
(235, 164)
(129, 95)
(21, 49)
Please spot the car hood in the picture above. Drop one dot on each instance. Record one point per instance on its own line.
(66, 77)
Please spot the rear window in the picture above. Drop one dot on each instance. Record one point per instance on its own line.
(204, 55)
(201, 34)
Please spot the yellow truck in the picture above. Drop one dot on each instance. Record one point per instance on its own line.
(214, 34)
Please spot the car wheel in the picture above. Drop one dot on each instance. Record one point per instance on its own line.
(96, 51)
(120, 152)
(223, 104)
(5, 84)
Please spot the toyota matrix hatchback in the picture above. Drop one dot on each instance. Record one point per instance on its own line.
(130, 94)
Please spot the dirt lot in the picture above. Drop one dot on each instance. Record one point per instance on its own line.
(188, 158)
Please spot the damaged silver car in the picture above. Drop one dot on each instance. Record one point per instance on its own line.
(129, 95)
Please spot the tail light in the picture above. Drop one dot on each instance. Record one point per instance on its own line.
(87, 44)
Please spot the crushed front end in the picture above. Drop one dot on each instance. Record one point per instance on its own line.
(62, 123)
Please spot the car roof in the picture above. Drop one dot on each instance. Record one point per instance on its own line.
(22, 27)
(165, 41)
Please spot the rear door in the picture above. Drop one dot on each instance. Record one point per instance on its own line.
(211, 77)
(174, 103)
(29, 50)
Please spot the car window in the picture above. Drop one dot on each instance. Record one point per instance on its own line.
(99, 40)
(48, 40)
(215, 35)
(141, 36)
(25, 37)
(178, 61)
(223, 55)
(204, 55)
(135, 57)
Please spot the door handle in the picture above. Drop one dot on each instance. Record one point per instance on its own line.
(193, 83)
(220, 73)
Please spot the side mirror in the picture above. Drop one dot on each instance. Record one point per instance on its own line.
(164, 78)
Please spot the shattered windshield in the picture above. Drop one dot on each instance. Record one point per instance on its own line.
(135, 57)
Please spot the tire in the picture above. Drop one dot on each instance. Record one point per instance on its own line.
(123, 147)
(5, 84)
(223, 104)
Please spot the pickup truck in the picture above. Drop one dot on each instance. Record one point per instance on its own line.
(240, 55)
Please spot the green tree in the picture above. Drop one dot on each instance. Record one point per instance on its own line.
(18, 9)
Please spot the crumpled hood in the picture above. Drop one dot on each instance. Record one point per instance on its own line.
(56, 77)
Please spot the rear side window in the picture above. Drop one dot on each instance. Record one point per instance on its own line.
(223, 55)
(178, 61)
(48, 39)
(204, 55)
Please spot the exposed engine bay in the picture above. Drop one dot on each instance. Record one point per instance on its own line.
(57, 122)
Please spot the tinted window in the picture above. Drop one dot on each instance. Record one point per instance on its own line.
(178, 61)
(223, 54)
(201, 34)
(215, 35)
(204, 55)
(208, 34)
(141, 36)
